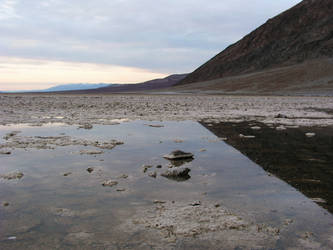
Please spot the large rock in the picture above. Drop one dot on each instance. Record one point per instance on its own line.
(177, 155)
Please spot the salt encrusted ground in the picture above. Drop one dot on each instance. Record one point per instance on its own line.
(104, 109)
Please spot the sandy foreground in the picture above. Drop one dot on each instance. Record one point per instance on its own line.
(104, 109)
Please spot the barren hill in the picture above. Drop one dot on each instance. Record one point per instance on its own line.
(300, 36)
(155, 85)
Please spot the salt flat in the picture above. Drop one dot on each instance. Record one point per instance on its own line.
(107, 109)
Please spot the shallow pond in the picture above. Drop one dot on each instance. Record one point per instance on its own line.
(59, 204)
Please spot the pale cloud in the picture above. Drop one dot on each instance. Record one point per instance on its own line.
(18, 73)
(7, 9)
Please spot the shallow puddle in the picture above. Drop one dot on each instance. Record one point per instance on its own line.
(59, 204)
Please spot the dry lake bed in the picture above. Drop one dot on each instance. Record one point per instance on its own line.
(89, 172)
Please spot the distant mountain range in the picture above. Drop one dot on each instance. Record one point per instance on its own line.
(154, 85)
(292, 51)
(77, 86)
(66, 87)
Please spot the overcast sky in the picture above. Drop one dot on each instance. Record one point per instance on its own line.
(46, 42)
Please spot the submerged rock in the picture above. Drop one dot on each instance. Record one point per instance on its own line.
(280, 116)
(12, 176)
(109, 183)
(86, 126)
(178, 140)
(11, 134)
(91, 152)
(123, 176)
(178, 154)
(146, 167)
(67, 174)
(178, 174)
(153, 174)
(5, 152)
(155, 125)
(90, 170)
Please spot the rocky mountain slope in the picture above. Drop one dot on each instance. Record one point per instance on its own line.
(300, 34)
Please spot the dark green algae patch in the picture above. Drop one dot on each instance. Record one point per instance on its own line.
(306, 163)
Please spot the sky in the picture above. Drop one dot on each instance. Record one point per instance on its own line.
(49, 42)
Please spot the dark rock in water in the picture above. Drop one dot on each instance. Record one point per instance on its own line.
(12, 176)
(153, 174)
(196, 203)
(5, 204)
(280, 116)
(90, 170)
(86, 126)
(159, 166)
(177, 174)
(11, 134)
(5, 152)
(109, 183)
(146, 167)
(68, 173)
(178, 154)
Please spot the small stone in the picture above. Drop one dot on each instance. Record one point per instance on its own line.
(86, 126)
(196, 203)
(280, 116)
(155, 125)
(217, 205)
(12, 176)
(123, 176)
(246, 136)
(90, 170)
(159, 166)
(5, 204)
(159, 202)
(5, 152)
(12, 238)
(255, 128)
(68, 173)
(146, 167)
(318, 200)
(120, 189)
(309, 135)
(109, 183)
(153, 174)
(91, 152)
(178, 141)
(203, 150)
(280, 128)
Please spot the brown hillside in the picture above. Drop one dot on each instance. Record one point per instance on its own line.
(304, 32)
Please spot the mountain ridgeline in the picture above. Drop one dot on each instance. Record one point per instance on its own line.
(300, 34)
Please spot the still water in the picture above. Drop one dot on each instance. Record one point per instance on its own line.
(46, 207)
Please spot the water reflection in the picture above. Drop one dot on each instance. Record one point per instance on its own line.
(51, 210)
(302, 161)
